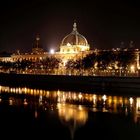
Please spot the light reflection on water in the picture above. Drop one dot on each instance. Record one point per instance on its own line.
(72, 107)
(92, 101)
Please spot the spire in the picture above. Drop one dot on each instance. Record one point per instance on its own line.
(37, 42)
(75, 31)
(37, 49)
(74, 26)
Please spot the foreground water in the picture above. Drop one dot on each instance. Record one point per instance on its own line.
(33, 113)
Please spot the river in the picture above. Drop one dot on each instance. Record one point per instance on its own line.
(27, 113)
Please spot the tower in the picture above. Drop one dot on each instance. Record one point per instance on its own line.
(37, 49)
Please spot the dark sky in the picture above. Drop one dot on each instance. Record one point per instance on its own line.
(104, 24)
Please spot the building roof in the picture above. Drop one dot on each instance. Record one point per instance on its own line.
(74, 38)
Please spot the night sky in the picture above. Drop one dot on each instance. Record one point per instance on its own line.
(104, 24)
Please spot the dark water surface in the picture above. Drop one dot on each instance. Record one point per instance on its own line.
(61, 115)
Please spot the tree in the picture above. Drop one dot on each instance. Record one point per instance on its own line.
(71, 64)
(105, 58)
(89, 61)
(51, 62)
(125, 58)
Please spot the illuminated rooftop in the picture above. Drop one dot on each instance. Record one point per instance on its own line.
(74, 38)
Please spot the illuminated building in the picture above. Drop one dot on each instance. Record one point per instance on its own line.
(72, 47)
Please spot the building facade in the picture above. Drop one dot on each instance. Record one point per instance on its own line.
(73, 46)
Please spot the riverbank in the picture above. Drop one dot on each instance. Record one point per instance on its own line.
(78, 83)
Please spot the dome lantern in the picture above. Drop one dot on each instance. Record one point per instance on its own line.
(74, 27)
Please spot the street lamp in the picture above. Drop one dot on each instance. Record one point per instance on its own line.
(52, 51)
(132, 68)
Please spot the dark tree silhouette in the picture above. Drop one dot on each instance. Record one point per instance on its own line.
(125, 58)
(104, 58)
(89, 61)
